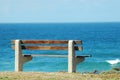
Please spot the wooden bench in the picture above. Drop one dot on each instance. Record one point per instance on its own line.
(70, 45)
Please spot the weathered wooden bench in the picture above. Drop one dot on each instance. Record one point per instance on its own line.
(70, 45)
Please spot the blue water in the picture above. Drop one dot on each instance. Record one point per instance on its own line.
(101, 40)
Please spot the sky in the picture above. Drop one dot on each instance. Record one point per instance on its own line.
(59, 11)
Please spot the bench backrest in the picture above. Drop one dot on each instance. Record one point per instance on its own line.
(47, 44)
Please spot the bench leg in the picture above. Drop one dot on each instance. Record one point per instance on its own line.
(19, 58)
(71, 57)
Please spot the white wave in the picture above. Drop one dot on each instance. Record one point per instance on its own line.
(116, 61)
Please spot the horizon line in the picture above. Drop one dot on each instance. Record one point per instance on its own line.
(52, 22)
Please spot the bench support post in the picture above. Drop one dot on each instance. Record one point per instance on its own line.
(19, 58)
(71, 57)
(79, 59)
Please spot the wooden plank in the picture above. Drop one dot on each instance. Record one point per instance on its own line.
(80, 48)
(52, 56)
(48, 47)
(42, 41)
(43, 47)
(77, 41)
(46, 42)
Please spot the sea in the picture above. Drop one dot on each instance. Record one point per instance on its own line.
(101, 40)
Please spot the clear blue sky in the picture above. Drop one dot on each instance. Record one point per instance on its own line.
(47, 11)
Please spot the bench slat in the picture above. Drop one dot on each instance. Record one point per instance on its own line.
(46, 42)
(46, 55)
(48, 47)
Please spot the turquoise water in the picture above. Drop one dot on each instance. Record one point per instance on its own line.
(101, 40)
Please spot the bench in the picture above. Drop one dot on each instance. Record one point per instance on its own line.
(70, 45)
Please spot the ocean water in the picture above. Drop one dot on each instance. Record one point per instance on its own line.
(101, 40)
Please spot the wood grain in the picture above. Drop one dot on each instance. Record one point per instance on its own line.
(48, 47)
(46, 42)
